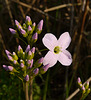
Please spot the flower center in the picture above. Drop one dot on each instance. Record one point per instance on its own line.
(57, 49)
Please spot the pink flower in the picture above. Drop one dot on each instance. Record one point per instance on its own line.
(57, 49)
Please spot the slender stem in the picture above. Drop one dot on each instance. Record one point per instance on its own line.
(66, 82)
(31, 89)
(26, 91)
(46, 86)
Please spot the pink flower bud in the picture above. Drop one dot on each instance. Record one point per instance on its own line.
(14, 61)
(10, 68)
(29, 53)
(28, 19)
(33, 50)
(31, 64)
(87, 83)
(26, 78)
(21, 65)
(29, 61)
(40, 25)
(40, 61)
(34, 24)
(10, 58)
(5, 67)
(83, 89)
(79, 80)
(29, 28)
(36, 71)
(22, 31)
(7, 52)
(17, 24)
(27, 49)
(12, 31)
(35, 36)
(19, 48)
(45, 68)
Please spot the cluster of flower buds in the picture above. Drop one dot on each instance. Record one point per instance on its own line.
(22, 62)
(28, 30)
(84, 88)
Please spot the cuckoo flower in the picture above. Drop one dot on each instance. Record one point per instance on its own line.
(57, 49)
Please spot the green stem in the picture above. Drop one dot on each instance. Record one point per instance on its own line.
(31, 89)
(46, 85)
(26, 91)
(66, 84)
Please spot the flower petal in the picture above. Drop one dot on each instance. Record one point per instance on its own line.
(50, 41)
(64, 40)
(50, 58)
(65, 58)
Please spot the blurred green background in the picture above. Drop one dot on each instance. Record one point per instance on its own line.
(73, 16)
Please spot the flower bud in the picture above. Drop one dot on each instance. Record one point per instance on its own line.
(15, 62)
(87, 85)
(7, 52)
(26, 78)
(29, 53)
(40, 61)
(36, 71)
(21, 61)
(22, 65)
(10, 58)
(79, 80)
(24, 26)
(19, 48)
(28, 20)
(20, 51)
(18, 24)
(83, 89)
(23, 32)
(31, 62)
(88, 91)
(29, 28)
(5, 67)
(15, 56)
(33, 27)
(44, 69)
(10, 68)
(27, 49)
(40, 25)
(35, 37)
(9, 55)
(12, 31)
(33, 50)
(34, 24)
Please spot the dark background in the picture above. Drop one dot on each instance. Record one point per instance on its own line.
(62, 81)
